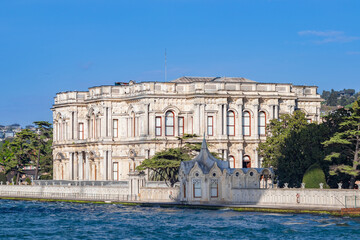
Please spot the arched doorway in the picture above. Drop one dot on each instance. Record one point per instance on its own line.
(246, 162)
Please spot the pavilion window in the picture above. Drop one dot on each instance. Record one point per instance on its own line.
(210, 126)
(262, 123)
(181, 126)
(197, 188)
(184, 190)
(169, 123)
(246, 162)
(157, 126)
(232, 161)
(115, 128)
(230, 123)
(246, 124)
(81, 131)
(214, 188)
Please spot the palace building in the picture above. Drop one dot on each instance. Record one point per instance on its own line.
(105, 132)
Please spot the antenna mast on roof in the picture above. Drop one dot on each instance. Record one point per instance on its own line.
(165, 66)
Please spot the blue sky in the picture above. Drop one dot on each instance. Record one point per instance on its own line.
(52, 46)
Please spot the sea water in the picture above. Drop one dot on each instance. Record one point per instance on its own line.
(61, 220)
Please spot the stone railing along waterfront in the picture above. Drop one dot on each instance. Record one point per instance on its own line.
(160, 192)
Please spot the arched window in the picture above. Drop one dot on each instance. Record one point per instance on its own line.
(169, 123)
(246, 162)
(262, 123)
(232, 161)
(196, 188)
(214, 188)
(230, 123)
(246, 123)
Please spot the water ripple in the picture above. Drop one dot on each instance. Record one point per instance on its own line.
(59, 220)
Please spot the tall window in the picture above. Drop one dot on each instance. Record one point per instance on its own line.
(184, 189)
(246, 123)
(232, 161)
(262, 123)
(231, 123)
(246, 162)
(210, 125)
(81, 131)
(214, 188)
(197, 188)
(115, 128)
(157, 126)
(116, 171)
(181, 126)
(169, 123)
(133, 125)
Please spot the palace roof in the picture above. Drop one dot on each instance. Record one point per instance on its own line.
(212, 79)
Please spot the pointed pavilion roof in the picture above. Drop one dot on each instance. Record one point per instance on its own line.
(205, 160)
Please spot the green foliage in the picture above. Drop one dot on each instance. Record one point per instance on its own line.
(343, 98)
(28, 148)
(28, 181)
(292, 146)
(44, 162)
(314, 176)
(46, 177)
(164, 165)
(3, 177)
(344, 145)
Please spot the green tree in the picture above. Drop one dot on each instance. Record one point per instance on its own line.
(345, 145)
(43, 144)
(292, 146)
(164, 165)
(19, 153)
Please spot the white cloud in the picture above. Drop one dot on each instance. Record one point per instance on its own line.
(328, 36)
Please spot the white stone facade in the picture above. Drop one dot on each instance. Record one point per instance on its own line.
(104, 133)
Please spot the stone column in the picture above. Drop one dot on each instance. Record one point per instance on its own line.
(198, 122)
(151, 129)
(146, 122)
(80, 161)
(256, 121)
(76, 166)
(241, 154)
(71, 166)
(218, 121)
(203, 119)
(76, 125)
(257, 163)
(240, 123)
(87, 167)
(277, 107)
(224, 120)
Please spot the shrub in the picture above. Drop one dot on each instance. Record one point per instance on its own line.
(3, 177)
(46, 177)
(313, 176)
(28, 180)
